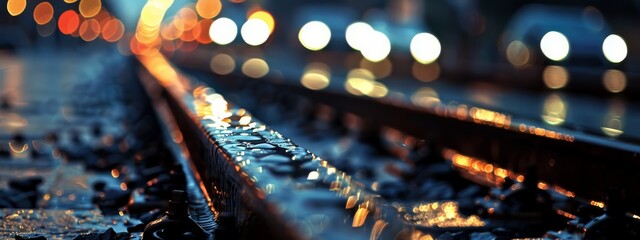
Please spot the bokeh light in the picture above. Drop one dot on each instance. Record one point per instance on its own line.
(265, 17)
(112, 30)
(68, 22)
(518, 54)
(614, 48)
(89, 8)
(89, 29)
(555, 77)
(204, 26)
(222, 64)
(554, 111)
(356, 34)
(208, 8)
(316, 76)
(16, 7)
(314, 35)
(614, 81)
(377, 47)
(425, 72)
(255, 68)
(425, 48)
(255, 32)
(223, 31)
(555, 46)
(43, 13)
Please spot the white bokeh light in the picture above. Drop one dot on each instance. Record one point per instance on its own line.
(614, 48)
(356, 34)
(314, 35)
(223, 31)
(255, 31)
(377, 47)
(555, 46)
(425, 48)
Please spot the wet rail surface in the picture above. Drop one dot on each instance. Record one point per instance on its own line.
(270, 186)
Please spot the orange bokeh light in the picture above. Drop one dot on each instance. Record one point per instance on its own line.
(15, 7)
(208, 8)
(112, 30)
(89, 30)
(68, 22)
(204, 26)
(43, 13)
(186, 19)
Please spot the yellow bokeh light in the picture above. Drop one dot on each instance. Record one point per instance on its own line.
(255, 68)
(208, 8)
(356, 34)
(89, 8)
(554, 110)
(255, 32)
(16, 7)
(266, 17)
(377, 47)
(314, 35)
(425, 48)
(316, 76)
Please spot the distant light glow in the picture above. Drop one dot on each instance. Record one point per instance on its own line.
(89, 8)
(314, 35)
(255, 32)
(223, 31)
(357, 33)
(555, 77)
(425, 72)
(255, 68)
(316, 76)
(555, 46)
(425, 48)
(68, 22)
(614, 81)
(377, 47)
(208, 8)
(518, 54)
(554, 111)
(43, 13)
(16, 7)
(222, 64)
(614, 48)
